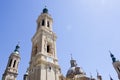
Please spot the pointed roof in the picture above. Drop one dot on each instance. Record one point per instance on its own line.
(112, 56)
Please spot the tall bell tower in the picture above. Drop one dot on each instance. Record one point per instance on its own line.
(44, 63)
(116, 65)
(11, 70)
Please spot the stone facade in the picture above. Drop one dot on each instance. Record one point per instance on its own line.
(116, 65)
(11, 71)
(44, 63)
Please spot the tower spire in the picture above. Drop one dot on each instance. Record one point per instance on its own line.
(112, 56)
(116, 65)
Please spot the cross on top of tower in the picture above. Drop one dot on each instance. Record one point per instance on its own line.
(17, 48)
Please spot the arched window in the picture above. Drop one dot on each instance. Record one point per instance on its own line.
(48, 24)
(49, 68)
(118, 69)
(48, 48)
(36, 50)
(14, 63)
(43, 22)
(10, 63)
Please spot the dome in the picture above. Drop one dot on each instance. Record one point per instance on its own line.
(45, 10)
(71, 72)
(15, 53)
(74, 71)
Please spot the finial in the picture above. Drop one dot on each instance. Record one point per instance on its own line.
(111, 53)
(112, 56)
(71, 57)
(17, 48)
(97, 72)
(90, 75)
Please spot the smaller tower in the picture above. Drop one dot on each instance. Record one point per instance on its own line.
(11, 70)
(116, 64)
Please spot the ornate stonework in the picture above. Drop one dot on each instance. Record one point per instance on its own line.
(11, 71)
(44, 63)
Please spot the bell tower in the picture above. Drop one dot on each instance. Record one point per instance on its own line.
(116, 65)
(44, 63)
(11, 71)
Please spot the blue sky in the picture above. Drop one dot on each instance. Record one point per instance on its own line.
(86, 28)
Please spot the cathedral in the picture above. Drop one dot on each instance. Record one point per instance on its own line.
(44, 62)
